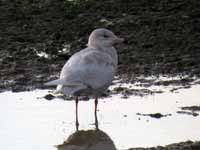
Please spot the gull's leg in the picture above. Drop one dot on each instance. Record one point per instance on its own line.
(77, 123)
(95, 112)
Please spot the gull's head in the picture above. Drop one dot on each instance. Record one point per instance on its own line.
(101, 38)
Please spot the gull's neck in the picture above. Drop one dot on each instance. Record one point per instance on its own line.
(109, 50)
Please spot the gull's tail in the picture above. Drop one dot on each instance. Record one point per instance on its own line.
(55, 82)
(63, 82)
(65, 87)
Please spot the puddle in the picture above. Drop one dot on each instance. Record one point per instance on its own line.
(29, 122)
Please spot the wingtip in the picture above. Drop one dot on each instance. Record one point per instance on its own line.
(54, 82)
(47, 84)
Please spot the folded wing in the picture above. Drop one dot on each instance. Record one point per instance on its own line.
(87, 68)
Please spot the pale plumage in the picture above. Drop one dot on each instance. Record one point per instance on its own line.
(91, 70)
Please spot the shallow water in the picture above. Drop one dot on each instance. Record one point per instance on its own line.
(28, 121)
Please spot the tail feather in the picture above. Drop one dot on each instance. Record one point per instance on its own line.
(62, 82)
(55, 82)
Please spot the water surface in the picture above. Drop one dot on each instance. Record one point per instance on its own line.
(28, 121)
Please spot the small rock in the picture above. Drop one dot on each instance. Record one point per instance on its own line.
(49, 97)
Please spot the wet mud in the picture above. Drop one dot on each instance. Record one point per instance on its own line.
(155, 115)
(38, 37)
(189, 145)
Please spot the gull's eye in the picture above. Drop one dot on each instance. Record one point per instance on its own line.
(105, 36)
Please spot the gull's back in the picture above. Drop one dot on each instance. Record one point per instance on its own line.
(90, 71)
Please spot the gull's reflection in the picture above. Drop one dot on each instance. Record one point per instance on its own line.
(88, 140)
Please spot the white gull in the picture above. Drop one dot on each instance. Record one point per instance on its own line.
(90, 71)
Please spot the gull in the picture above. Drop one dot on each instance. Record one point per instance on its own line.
(90, 71)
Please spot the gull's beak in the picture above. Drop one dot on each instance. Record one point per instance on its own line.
(118, 40)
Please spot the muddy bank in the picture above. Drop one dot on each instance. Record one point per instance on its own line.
(189, 145)
(37, 37)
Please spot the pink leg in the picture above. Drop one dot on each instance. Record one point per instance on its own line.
(77, 123)
(95, 112)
